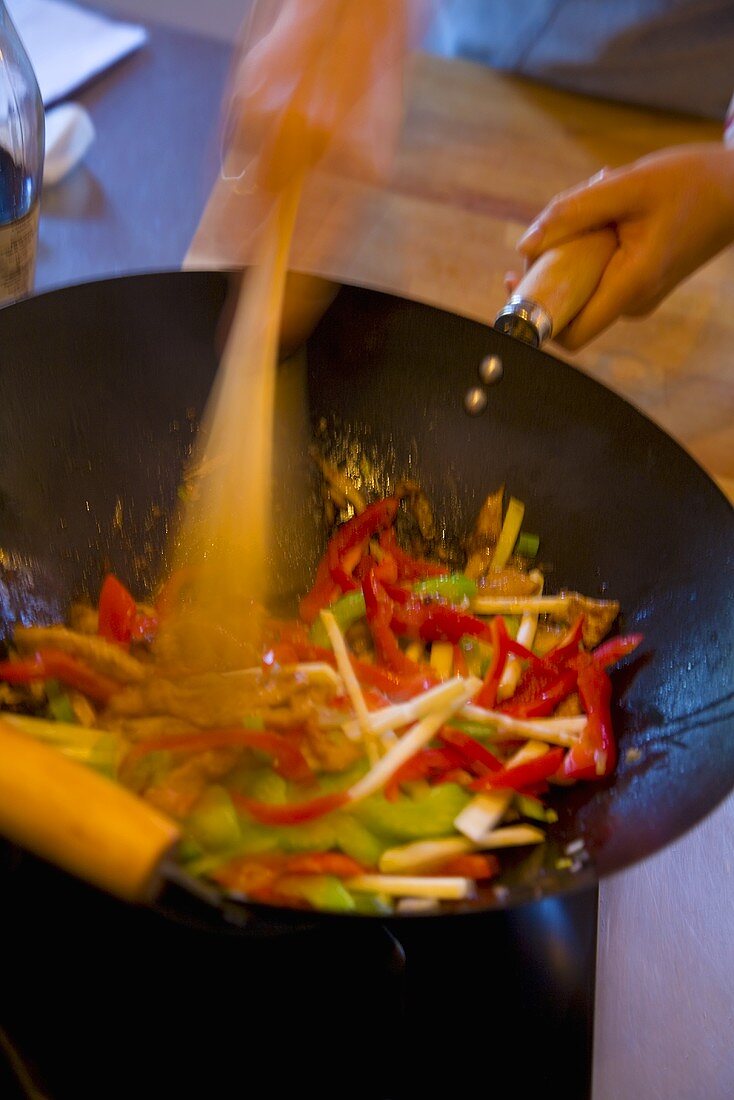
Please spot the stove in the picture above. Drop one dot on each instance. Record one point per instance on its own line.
(105, 1001)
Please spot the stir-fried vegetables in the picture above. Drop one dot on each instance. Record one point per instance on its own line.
(403, 729)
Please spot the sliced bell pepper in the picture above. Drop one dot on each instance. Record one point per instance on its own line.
(475, 756)
(499, 638)
(455, 587)
(614, 649)
(409, 568)
(394, 685)
(323, 863)
(357, 530)
(539, 695)
(117, 611)
(379, 609)
(53, 664)
(595, 755)
(290, 813)
(522, 776)
(477, 865)
(425, 764)
(289, 761)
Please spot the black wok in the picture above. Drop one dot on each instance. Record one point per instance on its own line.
(100, 388)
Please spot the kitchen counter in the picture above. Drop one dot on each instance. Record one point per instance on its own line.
(481, 154)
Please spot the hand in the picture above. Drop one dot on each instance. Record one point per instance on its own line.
(672, 211)
(313, 75)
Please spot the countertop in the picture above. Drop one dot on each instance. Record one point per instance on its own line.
(481, 154)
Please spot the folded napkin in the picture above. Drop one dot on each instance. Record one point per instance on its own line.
(68, 44)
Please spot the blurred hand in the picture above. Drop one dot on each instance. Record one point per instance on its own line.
(312, 75)
(672, 211)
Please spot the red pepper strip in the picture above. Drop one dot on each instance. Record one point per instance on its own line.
(322, 593)
(487, 695)
(409, 568)
(432, 621)
(289, 760)
(116, 611)
(522, 775)
(396, 686)
(323, 863)
(614, 649)
(595, 755)
(444, 623)
(540, 698)
(379, 609)
(477, 758)
(568, 645)
(355, 531)
(385, 570)
(52, 664)
(289, 813)
(428, 764)
(476, 865)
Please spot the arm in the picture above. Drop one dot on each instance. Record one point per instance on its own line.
(672, 211)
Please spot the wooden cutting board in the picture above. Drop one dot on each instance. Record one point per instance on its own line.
(481, 154)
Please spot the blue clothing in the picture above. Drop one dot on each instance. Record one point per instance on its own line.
(677, 55)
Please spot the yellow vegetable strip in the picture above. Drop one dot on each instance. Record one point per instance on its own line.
(350, 682)
(416, 738)
(526, 637)
(508, 535)
(447, 887)
(442, 659)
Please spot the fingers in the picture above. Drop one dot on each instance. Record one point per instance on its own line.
(624, 290)
(606, 199)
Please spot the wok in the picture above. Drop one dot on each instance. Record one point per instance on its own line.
(100, 388)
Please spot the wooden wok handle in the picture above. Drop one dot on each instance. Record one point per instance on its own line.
(557, 287)
(79, 820)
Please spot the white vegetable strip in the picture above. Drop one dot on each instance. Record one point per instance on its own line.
(484, 813)
(558, 731)
(350, 682)
(448, 887)
(517, 605)
(423, 855)
(398, 715)
(525, 636)
(409, 744)
(512, 836)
